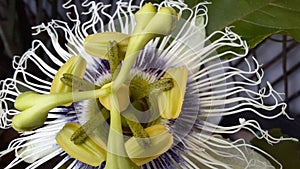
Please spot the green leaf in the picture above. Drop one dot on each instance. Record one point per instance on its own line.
(254, 20)
(286, 152)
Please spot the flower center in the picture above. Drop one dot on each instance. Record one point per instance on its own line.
(140, 113)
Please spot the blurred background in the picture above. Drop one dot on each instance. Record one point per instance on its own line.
(278, 54)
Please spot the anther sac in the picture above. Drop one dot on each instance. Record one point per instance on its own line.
(77, 83)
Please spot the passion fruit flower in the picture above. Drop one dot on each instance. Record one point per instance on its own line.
(147, 90)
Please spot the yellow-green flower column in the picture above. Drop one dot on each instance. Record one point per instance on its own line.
(148, 26)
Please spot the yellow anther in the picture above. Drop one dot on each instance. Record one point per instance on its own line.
(175, 96)
(76, 65)
(88, 152)
(161, 141)
(96, 44)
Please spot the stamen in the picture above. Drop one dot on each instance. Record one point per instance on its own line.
(114, 59)
(140, 93)
(81, 134)
(89, 152)
(162, 84)
(138, 130)
(96, 44)
(75, 65)
(77, 83)
(175, 96)
(161, 141)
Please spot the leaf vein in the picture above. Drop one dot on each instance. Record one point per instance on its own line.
(267, 26)
(267, 13)
(283, 7)
(247, 14)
